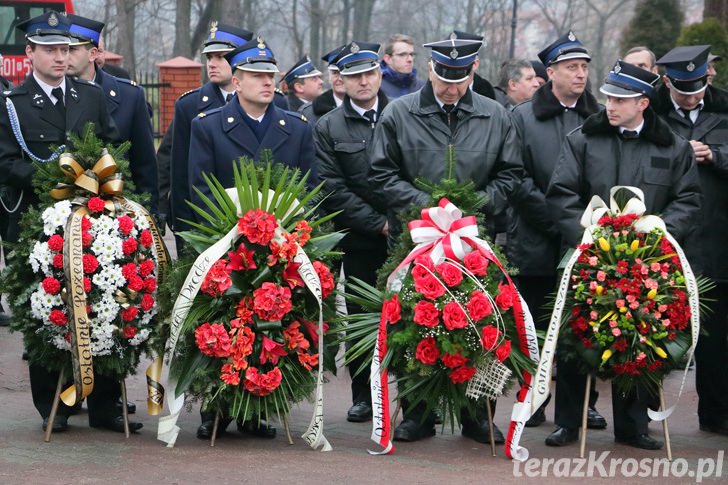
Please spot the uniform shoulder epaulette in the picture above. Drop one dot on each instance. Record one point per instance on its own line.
(129, 81)
(201, 115)
(279, 91)
(298, 115)
(185, 94)
(209, 112)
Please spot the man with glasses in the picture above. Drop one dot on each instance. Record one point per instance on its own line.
(399, 76)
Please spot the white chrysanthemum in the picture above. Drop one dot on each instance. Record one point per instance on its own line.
(60, 342)
(141, 222)
(55, 217)
(41, 258)
(109, 278)
(107, 248)
(103, 225)
(141, 336)
(38, 307)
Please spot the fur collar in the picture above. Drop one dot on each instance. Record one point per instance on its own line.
(546, 106)
(324, 103)
(483, 87)
(655, 130)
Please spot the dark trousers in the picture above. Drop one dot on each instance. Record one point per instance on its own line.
(418, 414)
(535, 290)
(711, 359)
(101, 402)
(362, 264)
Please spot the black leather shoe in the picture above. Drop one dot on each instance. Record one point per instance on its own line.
(594, 420)
(117, 424)
(538, 418)
(410, 430)
(643, 441)
(359, 412)
(562, 437)
(718, 427)
(258, 429)
(204, 431)
(130, 406)
(4, 319)
(59, 424)
(479, 432)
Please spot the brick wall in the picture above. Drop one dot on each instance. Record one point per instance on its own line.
(181, 75)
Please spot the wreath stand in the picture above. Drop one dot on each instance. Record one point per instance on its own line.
(57, 399)
(585, 410)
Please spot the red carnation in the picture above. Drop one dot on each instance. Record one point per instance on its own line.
(479, 306)
(145, 238)
(51, 285)
(55, 243)
(90, 263)
(150, 285)
(451, 274)
(503, 351)
(126, 224)
(129, 314)
(476, 263)
(135, 283)
(86, 239)
(146, 267)
(462, 374)
(58, 261)
(326, 278)
(129, 246)
(86, 284)
(128, 270)
(147, 302)
(429, 286)
(426, 314)
(391, 310)
(271, 302)
(213, 340)
(490, 337)
(58, 318)
(258, 226)
(427, 351)
(85, 224)
(506, 296)
(95, 204)
(129, 332)
(452, 361)
(453, 316)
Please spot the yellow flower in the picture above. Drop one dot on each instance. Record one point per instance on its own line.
(660, 352)
(604, 244)
(599, 289)
(635, 245)
(651, 294)
(623, 309)
(606, 355)
(592, 323)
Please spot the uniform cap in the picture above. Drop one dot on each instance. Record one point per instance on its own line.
(47, 29)
(330, 56)
(452, 59)
(225, 38)
(303, 69)
(626, 80)
(254, 56)
(564, 48)
(687, 68)
(83, 30)
(357, 57)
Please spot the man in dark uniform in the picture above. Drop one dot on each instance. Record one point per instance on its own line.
(5, 85)
(331, 98)
(305, 83)
(48, 105)
(247, 126)
(555, 109)
(342, 138)
(125, 102)
(698, 111)
(411, 142)
(625, 144)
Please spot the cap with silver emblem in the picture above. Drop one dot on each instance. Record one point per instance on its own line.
(629, 81)
(687, 68)
(564, 48)
(48, 29)
(357, 57)
(452, 59)
(254, 56)
(225, 38)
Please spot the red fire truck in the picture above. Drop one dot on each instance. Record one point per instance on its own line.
(15, 65)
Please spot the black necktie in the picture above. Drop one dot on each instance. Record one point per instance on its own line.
(370, 115)
(448, 108)
(630, 135)
(686, 114)
(228, 97)
(58, 94)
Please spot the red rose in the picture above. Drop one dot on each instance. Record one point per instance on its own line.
(452, 361)
(451, 274)
(129, 332)
(55, 243)
(95, 204)
(86, 284)
(271, 302)
(453, 316)
(51, 285)
(490, 337)
(90, 263)
(126, 224)
(426, 314)
(423, 266)
(213, 340)
(150, 285)
(479, 306)
(429, 287)
(503, 351)
(129, 270)
(217, 280)
(135, 283)
(427, 351)
(146, 267)
(506, 296)
(129, 314)
(326, 278)
(129, 246)
(258, 226)
(476, 263)
(147, 302)
(229, 375)
(145, 238)
(86, 239)
(58, 261)
(58, 318)
(391, 310)
(462, 374)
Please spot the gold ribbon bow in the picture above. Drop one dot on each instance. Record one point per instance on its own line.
(101, 179)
